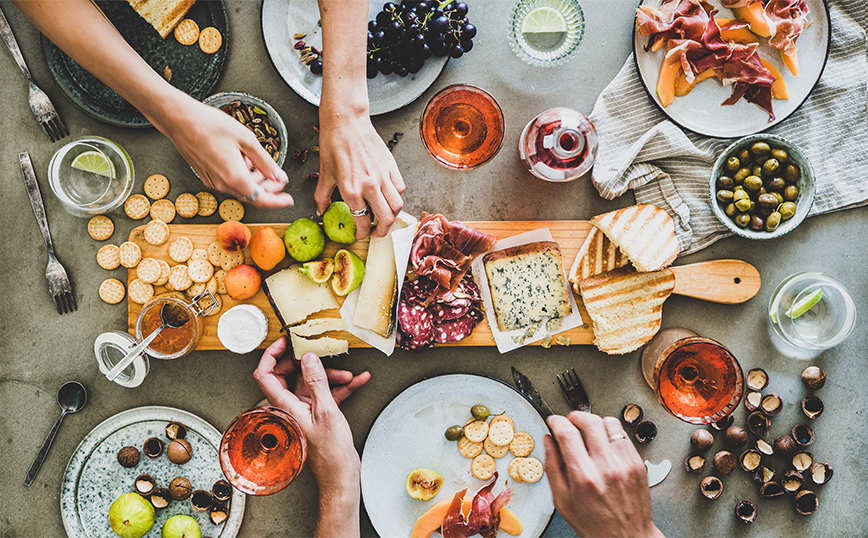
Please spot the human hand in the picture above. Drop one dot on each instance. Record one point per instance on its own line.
(310, 400)
(354, 158)
(599, 484)
(223, 152)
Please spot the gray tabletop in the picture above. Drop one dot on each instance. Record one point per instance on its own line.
(40, 350)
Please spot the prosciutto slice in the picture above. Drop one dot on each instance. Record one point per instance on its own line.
(674, 19)
(787, 19)
(484, 516)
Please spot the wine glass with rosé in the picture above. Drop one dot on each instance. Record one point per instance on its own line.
(462, 127)
(696, 379)
(262, 451)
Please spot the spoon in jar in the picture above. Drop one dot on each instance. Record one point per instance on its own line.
(71, 398)
(172, 316)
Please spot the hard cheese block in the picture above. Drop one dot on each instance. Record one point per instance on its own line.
(294, 296)
(378, 291)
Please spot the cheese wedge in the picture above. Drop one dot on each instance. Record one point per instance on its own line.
(294, 296)
(597, 255)
(323, 347)
(379, 290)
(318, 326)
(644, 232)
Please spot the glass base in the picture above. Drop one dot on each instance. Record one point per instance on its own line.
(655, 348)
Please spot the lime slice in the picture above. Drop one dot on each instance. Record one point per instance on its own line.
(544, 19)
(804, 304)
(94, 162)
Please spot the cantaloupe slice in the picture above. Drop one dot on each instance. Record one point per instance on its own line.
(779, 86)
(754, 14)
(791, 60)
(682, 87)
(669, 70)
(739, 35)
(658, 44)
(430, 521)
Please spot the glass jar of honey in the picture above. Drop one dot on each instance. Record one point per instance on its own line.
(174, 341)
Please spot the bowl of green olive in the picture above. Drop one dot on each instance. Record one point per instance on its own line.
(762, 186)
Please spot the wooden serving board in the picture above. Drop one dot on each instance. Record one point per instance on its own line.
(568, 234)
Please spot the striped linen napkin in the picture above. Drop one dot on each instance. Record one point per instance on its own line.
(641, 149)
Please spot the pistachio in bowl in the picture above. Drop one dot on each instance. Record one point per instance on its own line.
(258, 116)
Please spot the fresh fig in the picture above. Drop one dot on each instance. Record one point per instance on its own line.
(320, 271)
(423, 484)
(339, 224)
(349, 272)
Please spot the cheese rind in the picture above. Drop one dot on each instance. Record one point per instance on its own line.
(242, 328)
(294, 296)
(323, 347)
(527, 284)
(317, 326)
(379, 289)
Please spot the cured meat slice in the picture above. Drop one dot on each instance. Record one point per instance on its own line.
(454, 309)
(416, 323)
(672, 20)
(418, 291)
(447, 332)
(788, 19)
(484, 516)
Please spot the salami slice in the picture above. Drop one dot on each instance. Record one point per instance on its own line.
(454, 309)
(418, 291)
(416, 322)
(404, 342)
(447, 332)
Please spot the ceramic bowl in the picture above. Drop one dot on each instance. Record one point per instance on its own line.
(221, 99)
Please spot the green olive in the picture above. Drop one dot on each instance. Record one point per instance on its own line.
(738, 188)
(791, 193)
(730, 210)
(778, 197)
(479, 412)
(732, 164)
(760, 148)
(739, 194)
(454, 433)
(759, 159)
(787, 210)
(742, 220)
(724, 196)
(744, 156)
(792, 173)
(775, 184)
(753, 183)
(767, 203)
(758, 169)
(725, 182)
(770, 167)
(781, 155)
(757, 223)
(740, 175)
(744, 205)
(773, 221)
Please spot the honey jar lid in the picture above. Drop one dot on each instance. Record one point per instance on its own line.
(110, 348)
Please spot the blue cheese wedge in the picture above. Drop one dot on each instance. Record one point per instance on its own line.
(527, 285)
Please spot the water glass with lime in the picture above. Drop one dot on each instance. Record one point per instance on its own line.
(546, 33)
(91, 175)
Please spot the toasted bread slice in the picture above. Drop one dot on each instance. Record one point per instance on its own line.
(597, 255)
(163, 15)
(644, 232)
(626, 306)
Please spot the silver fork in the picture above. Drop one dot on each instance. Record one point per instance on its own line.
(573, 391)
(58, 281)
(40, 104)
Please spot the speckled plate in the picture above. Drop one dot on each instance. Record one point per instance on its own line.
(193, 71)
(281, 19)
(408, 434)
(701, 110)
(94, 478)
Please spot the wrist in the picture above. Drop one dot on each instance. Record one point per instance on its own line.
(168, 109)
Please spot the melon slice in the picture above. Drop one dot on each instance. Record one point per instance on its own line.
(429, 522)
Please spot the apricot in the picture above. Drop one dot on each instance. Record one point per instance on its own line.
(242, 282)
(267, 248)
(233, 236)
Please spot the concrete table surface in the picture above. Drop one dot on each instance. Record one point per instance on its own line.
(40, 350)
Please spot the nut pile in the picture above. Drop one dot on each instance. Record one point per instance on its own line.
(256, 119)
(644, 430)
(756, 459)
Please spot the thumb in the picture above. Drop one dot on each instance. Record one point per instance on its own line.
(317, 383)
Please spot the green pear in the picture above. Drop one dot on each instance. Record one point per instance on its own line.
(131, 515)
(304, 240)
(339, 223)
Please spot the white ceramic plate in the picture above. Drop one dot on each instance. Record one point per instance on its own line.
(94, 478)
(281, 19)
(408, 434)
(701, 111)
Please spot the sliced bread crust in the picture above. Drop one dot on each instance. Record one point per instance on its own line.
(597, 255)
(644, 232)
(163, 15)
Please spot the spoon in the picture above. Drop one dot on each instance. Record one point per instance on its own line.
(172, 316)
(71, 398)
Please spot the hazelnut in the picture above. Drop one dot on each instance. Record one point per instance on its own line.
(792, 481)
(745, 511)
(144, 485)
(180, 488)
(784, 445)
(736, 437)
(632, 414)
(814, 378)
(128, 457)
(201, 500)
(179, 451)
(725, 462)
(219, 513)
(646, 431)
(806, 502)
(750, 459)
(711, 487)
(752, 400)
(694, 464)
(176, 430)
(160, 498)
(763, 446)
(701, 440)
(812, 407)
(221, 490)
(757, 379)
(723, 423)
(803, 435)
(758, 423)
(770, 489)
(802, 461)
(771, 404)
(821, 473)
(153, 448)
(764, 474)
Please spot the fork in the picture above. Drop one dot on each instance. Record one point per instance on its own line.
(573, 391)
(40, 104)
(58, 281)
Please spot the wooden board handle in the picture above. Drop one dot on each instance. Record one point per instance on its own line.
(718, 281)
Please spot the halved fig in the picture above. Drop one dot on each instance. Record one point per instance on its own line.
(423, 484)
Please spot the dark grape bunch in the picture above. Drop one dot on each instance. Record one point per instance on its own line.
(403, 36)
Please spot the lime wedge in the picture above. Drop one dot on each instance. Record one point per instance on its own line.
(94, 162)
(804, 304)
(544, 19)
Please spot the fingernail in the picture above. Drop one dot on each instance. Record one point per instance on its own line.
(281, 175)
(308, 360)
(318, 214)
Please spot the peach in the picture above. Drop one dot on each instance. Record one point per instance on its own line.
(242, 282)
(233, 236)
(267, 248)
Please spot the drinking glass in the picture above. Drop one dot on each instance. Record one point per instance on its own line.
(462, 127)
(808, 314)
(546, 33)
(262, 451)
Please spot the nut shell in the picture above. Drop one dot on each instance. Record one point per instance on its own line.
(725, 462)
(694, 464)
(632, 414)
(735, 436)
(711, 487)
(176, 430)
(219, 513)
(821, 472)
(153, 447)
(784, 445)
(764, 447)
(770, 490)
(812, 407)
(701, 440)
(201, 500)
(764, 474)
(129, 457)
(723, 423)
(806, 502)
(771, 404)
(160, 498)
(758, 423)
(144, 485)
(745, 511)
(750, 460)
(180, 451)
(757, 379)
(646, 431)
(221, 490)
(752, 400)
(180, 488)
(792, 481)
(813, 377)
(803, 435)
(802, 461)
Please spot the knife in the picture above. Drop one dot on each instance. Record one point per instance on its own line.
(524, 386)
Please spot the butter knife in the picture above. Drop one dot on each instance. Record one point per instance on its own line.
(523, 384)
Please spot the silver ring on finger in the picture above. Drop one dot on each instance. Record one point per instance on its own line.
(363, 212)
(253, 195)
(616, 437)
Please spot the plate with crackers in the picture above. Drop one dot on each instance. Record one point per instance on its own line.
(410, 433)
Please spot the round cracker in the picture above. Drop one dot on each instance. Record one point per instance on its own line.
(187, 32)
(503, 417)
(521, 445)
(496, 451)
(201, 287)
(180, 249)
(228, 260)
(210, 40)
(501, 433)
(513, 469)
(206, 301)
(200, 270)
(207, 203)
(164, 273)
(137, 207)
(140, 292)
(199, 254)
(163, 210)
(112, 291)
(147, 271)
(130, 254)
(179, 278)
(530, 470)
(215, 253)
(156, 186)
(100, 227)
(483, 466)
(108, 257)
(219, 275)
(476, 431)
(231, 209)
(156, 232)
(187, 205)
(468, 448)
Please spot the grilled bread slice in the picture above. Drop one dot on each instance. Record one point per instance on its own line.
(626, 306)
(163, 15)
(597, 255)
(644, 232)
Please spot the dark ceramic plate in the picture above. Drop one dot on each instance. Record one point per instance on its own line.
(193, 71)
